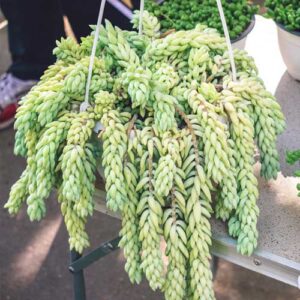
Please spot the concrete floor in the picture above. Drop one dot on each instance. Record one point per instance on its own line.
(34, 256)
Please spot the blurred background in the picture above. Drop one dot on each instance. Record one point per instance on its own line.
(34, 257)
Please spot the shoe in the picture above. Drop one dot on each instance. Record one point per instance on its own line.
(11, 90)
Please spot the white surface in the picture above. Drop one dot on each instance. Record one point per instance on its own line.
(262, 44)
(289, 45)
(241, 44)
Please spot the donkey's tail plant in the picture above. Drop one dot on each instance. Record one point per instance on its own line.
(177, 140)
(293, 157)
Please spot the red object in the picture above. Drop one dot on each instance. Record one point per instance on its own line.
(7, 115)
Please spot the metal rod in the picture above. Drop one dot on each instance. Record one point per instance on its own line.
(78, 278)
(104, 249)
(261, 261)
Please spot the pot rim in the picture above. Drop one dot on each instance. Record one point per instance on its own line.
(246, 31)
(289, 31)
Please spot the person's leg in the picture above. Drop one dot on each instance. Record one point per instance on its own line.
(33, 28)
(82, 13)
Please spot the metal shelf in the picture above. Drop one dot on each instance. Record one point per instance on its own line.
(263, 261)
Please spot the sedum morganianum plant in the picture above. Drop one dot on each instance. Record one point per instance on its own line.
(178, 145)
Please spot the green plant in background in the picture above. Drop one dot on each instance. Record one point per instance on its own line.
(285, 12)
(186, 14)
(291, 158)
(176, 130)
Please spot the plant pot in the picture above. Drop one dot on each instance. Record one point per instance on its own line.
(240, 41)
(289, 44)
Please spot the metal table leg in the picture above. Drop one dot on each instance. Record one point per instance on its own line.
(79, 263)
(78, 278)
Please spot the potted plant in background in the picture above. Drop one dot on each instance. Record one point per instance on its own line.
(185, 14)
(286, 14)
(293, 157)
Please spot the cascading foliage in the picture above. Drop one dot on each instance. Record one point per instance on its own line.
(178, 143)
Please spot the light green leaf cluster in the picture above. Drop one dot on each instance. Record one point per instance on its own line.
(150, 24)
(177, 138)
(114, 149)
